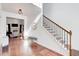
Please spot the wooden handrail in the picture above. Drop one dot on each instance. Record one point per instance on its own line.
(56, 24)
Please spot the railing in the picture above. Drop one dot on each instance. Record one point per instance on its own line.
(62, 35)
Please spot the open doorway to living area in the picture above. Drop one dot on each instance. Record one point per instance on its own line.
(15, 34)
(15, 27)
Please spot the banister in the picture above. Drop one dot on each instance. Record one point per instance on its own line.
(56, 24)
(69, 33)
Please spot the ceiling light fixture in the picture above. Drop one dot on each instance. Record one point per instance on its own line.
(20, 11)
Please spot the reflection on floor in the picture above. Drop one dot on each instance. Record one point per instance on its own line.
(20, 47)
(75, 52)
(43, 51)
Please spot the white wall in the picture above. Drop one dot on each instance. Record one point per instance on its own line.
(0, 6)
(38, 4)
(29, 10)
(67, 16)
(0, 28)
(15, 21)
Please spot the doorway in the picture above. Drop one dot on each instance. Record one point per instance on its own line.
(15, 27)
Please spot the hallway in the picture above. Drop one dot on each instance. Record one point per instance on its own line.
(20, 47)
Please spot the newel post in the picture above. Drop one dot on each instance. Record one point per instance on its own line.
(70, 46)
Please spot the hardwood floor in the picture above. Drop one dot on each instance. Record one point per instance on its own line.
(20, 47)
(43, 51)
(75, 52)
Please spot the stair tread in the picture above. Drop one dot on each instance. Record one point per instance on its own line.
(67, 45)
(58, 37)
(61, 41)
(55, 35)
(52, 32)
(46, 26)
(49, 29)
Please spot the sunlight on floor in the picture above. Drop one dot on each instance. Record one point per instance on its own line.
(26, 43)
(26, 47)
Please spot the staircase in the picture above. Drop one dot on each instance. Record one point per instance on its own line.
(62, 36)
